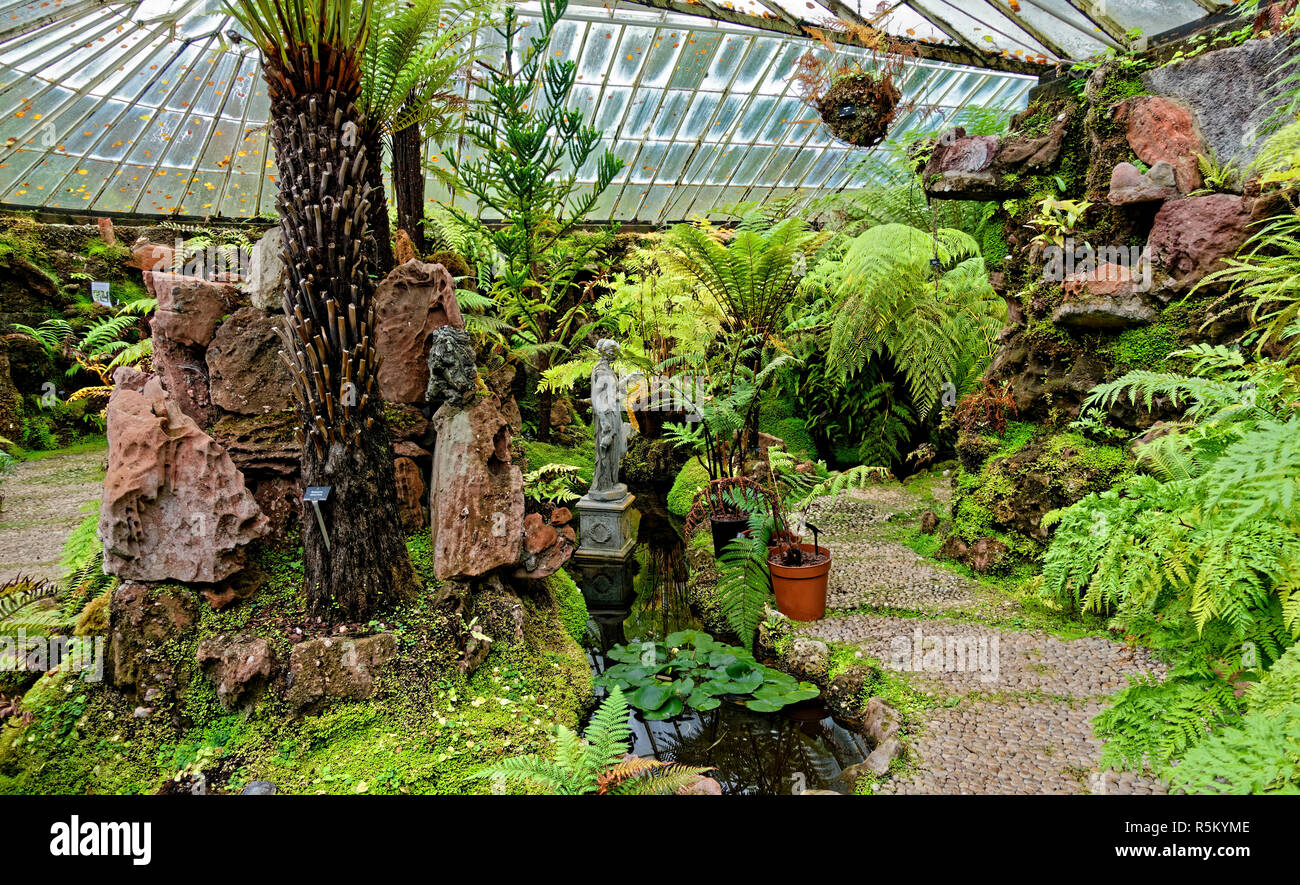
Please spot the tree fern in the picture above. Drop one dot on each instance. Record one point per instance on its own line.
(754, 276)
(893, 303)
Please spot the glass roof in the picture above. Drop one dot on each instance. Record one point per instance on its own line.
(149, 108)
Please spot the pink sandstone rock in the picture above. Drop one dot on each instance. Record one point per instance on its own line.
(1129, 186)
(184, 375)
(477, 497)
(1106, 297)
(148, 256)
(1191, 237)
(174, 504)
(545, 549)
(410, 494)
(413, 300)
(1159, 129)
(245, 372)
(189, 309)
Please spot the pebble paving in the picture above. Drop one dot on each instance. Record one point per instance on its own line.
(43, 502)
(1012, 708)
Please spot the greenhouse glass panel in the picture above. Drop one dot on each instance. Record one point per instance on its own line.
(165, 112)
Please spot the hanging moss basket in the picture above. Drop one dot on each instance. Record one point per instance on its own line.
(859, 108)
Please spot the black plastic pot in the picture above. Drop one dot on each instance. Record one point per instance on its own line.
(725, 529)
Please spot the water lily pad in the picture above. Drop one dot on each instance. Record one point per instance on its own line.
(700, 700)
(674, 707)
(652, 696)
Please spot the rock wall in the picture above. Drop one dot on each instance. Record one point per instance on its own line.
(1122, 287)
(1131, 142)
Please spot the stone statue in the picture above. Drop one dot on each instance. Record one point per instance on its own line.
(609, 430)
(453, 375)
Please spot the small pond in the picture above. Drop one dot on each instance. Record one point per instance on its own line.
(799, 748)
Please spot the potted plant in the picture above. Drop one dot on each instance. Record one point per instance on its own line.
(727, 503)
(800, 571)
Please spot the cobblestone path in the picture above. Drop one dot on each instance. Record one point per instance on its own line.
(43, 502)
(1010, 705)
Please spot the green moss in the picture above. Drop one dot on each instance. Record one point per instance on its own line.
(925, 545)
(1030, 474)
(692, 476)
(568, 600)
(419, 547)
(116, 253)
(1124, 82)
(774, 408)
(18, 238)
(794, 433)
(1017, 435)
(429, 730)
(582, 456)
(652, 463)
(1037, 119)
(402, 418)
(1146, 347)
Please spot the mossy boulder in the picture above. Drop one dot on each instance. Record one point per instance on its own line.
(569, 603)
(794, 433)
(702, 586)
(1031, 473)
(652, 464)
(690, 478)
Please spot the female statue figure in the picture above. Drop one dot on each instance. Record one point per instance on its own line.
(609, 430)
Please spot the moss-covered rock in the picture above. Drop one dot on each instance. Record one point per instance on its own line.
(569, 603)
(652, 464)
(690, 478)
(1031, 472)
(427, 728)
(794, 433)
(702, 585)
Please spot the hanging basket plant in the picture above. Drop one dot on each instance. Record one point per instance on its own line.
(857, 99)
(859, 108)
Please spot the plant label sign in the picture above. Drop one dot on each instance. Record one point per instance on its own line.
(314, 495)
(100, 292)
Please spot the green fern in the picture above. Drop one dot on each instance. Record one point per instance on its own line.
(744, 585)
(923, 302)
(1260, 752)
(597, 762)
(30, 605)
(1198, 555)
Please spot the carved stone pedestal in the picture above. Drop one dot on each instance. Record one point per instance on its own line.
(605, 529)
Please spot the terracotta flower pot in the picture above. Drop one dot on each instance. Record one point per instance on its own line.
(801, 589)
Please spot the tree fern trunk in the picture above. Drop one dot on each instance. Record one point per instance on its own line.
(378, 219)
(323, 204)
(408, 183)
